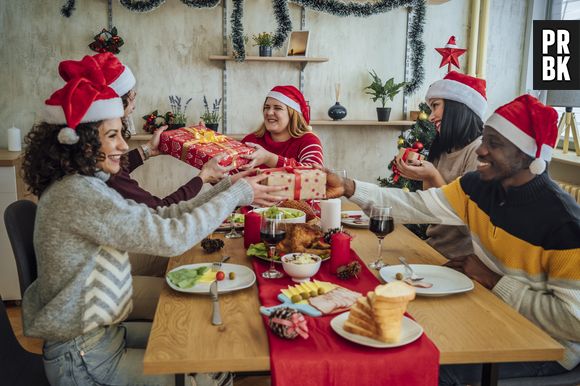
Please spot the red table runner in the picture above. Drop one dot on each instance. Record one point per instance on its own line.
(325, 358)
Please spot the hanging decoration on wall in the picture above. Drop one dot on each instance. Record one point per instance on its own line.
(340, 8)
(450, 54)
(107, 41)
(143, 5)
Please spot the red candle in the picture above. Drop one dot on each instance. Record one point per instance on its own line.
(251, 228)
(339, 250)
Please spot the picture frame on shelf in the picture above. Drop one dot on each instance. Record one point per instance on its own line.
(298, 43)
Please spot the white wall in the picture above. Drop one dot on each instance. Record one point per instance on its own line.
(168, 51)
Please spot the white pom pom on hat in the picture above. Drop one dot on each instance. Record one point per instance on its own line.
(81, 101)
(531, 126)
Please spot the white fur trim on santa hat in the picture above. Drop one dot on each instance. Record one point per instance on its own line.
(284, 99)
(67, 136)
(459, 92)
(124, 83)
(99, 110)
(516, 136)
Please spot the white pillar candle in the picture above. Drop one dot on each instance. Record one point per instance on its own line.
(14, 142)
(330, 214)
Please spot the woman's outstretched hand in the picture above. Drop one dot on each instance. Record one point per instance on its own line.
(259, 157)
(154, 141)
(264, 195)
(212, 172)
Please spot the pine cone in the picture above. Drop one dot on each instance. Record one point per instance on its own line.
(300, 205)
(349, 271)
(212, 245)
(280, 329)
(328, 235)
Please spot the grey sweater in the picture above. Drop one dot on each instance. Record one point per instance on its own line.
(82, 234)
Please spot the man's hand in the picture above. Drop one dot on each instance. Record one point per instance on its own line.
(336, 186)
(259, 157)
(472, 267)
(212, 172)
(262, 193)
(154, 141)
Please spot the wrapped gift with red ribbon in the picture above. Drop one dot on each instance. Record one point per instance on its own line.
(409, 154)
(196, 145)
(301, 182)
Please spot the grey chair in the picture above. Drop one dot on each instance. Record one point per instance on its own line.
(17, 366)
(19, 220)
(570, 378)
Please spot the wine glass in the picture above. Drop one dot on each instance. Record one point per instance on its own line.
(233, 234)
(272, 231)
(381, 224)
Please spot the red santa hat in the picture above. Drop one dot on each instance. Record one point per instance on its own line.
(460, 88)
(531, 126)
(79, 101)
(291, 97)
(117, 75)
(451, 43)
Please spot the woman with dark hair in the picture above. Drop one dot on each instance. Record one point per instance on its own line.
(457, 105)
(285, 137)
(82, 234)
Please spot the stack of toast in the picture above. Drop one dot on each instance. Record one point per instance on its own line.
(379, 315)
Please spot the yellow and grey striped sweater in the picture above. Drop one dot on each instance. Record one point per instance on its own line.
(529, 234)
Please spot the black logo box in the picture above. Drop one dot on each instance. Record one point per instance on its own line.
(573, 28)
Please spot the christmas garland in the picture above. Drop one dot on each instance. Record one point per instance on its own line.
(68, 8)
(282, 13)
(238, 31)
(143, 5)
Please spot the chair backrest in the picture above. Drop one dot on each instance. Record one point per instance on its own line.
(19, 367)
(19, 220)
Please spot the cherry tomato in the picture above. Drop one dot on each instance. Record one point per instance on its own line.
(220, 275)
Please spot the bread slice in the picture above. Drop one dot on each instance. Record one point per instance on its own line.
(354, 329)
(396, 291)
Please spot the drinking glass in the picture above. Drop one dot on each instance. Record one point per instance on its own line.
(233, 234)
(381, 224)
(272, 231)
(339, 172)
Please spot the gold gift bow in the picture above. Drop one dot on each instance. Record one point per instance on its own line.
(203, 136)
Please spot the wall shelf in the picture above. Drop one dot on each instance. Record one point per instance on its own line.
(360, 123)
(295, 59)
(569, 158)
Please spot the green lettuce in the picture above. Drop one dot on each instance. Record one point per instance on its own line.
(187, 277)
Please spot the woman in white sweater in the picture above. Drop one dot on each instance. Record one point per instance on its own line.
(84, 230)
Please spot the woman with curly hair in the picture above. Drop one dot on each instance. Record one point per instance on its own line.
(285, 137)
(83, 231)
(457, 103)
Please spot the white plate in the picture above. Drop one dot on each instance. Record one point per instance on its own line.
(363, 222)
(410, 332)
(244, 278)
(226, 225)
(446, 281)
(294, 220)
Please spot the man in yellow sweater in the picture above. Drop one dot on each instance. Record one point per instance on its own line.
(526, 230)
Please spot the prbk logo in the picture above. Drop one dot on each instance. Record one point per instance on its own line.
(556, 54)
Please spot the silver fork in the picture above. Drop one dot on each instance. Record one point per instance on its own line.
(409, 273)
(216, 266)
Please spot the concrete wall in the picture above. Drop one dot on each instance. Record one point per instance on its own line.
(168, 51)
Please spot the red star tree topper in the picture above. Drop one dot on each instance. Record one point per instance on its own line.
(450, 54)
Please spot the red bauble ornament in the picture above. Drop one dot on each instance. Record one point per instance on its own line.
(418, 146)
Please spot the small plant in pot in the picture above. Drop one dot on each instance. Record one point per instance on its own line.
(264, 41)
(211, 117)
(176, 118)
(383, 91)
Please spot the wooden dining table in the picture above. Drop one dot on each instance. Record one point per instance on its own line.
(471, 327)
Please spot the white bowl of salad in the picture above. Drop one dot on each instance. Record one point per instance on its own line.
(289, 215)
(301, 266)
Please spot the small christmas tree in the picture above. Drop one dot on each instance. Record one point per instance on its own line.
(418, 137)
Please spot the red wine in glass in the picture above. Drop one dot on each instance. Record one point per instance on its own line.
(381, 226)
(273, 238)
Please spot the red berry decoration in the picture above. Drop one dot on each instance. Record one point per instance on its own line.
(220, 275)
(418, 145)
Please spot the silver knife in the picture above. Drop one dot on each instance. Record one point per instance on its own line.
(216, 318)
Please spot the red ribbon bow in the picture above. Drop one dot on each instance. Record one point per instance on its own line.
(297, 323)
(297, 176)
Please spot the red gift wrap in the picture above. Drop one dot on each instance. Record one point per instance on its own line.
(302, 182)
(409, 154)
(196, 145)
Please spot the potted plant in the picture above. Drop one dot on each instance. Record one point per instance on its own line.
(211, 118)
(265, 41)
(381, 91)
(176, 118)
